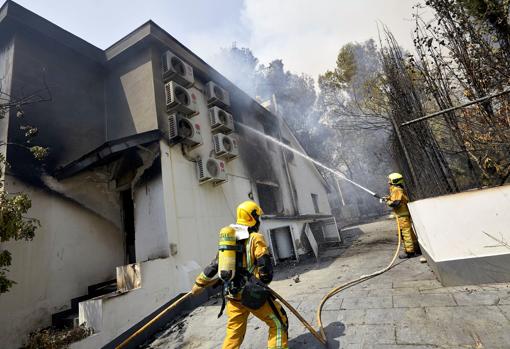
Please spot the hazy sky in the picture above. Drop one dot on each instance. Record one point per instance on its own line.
(306, 34)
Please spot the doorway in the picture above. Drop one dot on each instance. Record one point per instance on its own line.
(128, 222)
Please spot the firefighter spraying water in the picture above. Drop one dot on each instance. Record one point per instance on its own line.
(243, 268)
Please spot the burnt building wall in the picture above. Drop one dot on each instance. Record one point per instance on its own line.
(264, 159)
(72, 123)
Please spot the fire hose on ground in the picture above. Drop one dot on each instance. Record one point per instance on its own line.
(320, 336)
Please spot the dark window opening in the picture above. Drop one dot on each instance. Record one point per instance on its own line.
(128, 221)
(315, 200)
(270, 198)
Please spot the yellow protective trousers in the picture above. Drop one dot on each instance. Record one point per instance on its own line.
(406, 232)
(238, 319)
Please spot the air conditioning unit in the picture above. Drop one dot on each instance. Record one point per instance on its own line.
(225, 147)
(183, 130)
(220, 120)
(216, 95)
(211, 170)
(180, 99)
(177, 70)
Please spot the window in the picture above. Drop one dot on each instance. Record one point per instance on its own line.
(270, 198)
(315, 200)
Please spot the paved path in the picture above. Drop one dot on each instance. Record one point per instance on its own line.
(405, 308)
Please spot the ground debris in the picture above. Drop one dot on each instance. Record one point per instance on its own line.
(52, 338)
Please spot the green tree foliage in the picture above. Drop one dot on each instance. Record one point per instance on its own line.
(353, 106)
(14, 225)
(494, 14)
(14, 207)
(352, 96)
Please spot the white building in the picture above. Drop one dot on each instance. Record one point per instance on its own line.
(119, 200)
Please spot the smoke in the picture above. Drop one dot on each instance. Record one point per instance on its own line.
(297, 152)
(358, 155)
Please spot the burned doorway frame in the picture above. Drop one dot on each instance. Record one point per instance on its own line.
(128, 224)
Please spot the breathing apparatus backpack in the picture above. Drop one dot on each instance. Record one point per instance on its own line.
(235, 277)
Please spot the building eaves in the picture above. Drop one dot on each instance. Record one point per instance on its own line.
(12, 14)
(106, 152)
(151, 32)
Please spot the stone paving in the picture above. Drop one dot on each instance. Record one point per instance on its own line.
(405, 308)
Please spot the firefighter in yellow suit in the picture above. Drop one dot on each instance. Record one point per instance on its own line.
(256, 260)
(398, 201)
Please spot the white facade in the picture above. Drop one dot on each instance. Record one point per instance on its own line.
(192, 214)
(74, 248)
(462, 248)
(83, 239)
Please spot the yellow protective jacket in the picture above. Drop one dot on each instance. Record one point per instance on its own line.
(256, 260)
(398, 201)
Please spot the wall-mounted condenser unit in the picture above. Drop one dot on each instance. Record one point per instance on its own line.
(220, 120)
(178, 98)
(225, 147)
(183, 130)
(177, 70)
(211, 170)
(216, 95)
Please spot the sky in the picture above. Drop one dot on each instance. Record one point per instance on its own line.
(306, 34)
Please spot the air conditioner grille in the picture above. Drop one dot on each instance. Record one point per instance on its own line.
(172, 126)
(212, 117)
(168, 92)
(217, 147)
(200, 169)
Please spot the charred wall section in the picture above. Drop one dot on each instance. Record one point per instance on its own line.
(261, 157)
(72, 123)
